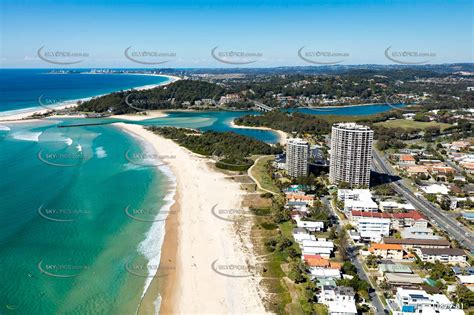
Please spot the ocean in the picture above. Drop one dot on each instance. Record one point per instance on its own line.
(82, 219)
(83, 208)
(21, 89)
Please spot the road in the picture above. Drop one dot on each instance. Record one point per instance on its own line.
(437, 216)
(454, 165)
(376, 301)
(355, 260)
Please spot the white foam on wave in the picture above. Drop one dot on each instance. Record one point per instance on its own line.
(157, 304)
(27, 136)
(100, 152)
(134, 167)
(150, 247)
(79, 148)
(4, 128)
(68, 141)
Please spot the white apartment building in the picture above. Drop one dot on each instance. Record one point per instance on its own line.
(339, 300)
(420, 302)
(297, 155)
(443, 255)
(351, 154)
(357, 199)
(373, 229)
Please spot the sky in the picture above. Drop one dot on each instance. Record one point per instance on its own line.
(189, 34)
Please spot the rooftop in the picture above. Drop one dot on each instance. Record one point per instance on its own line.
(469, 280)
(406, 157)
(412, 214)
(375, 246)
(395, 268)
(414, 241)
(297, 141)
(380, 215)
(435, 189)
(443, 251)
(403, 278)
(300, 196)
(351, 126)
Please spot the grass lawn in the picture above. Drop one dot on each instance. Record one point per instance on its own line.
(261, 175)
(346, 118)
(407, 124)
(320, 309)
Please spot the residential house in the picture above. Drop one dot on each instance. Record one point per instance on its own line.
(324, 273)
(406, 160)
(394, 268)
(312, 226)
(435, 189)
(463, 270)
(417, 170)
(387, 251)
(339, 300)
(308, 199)
(229, 98)
(467, 280)
(442, 170)
(403, 280)
(409, 301)
(468, 166)
(460, 145)
(324, 252)
(443, 255)
(301, 234)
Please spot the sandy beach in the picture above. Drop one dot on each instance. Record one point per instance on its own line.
(283, 136)
(27, 112)
(214, 271)
(139, 117)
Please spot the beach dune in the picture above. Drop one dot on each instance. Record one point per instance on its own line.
(212, 272)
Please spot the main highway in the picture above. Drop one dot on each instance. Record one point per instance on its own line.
(437, 216)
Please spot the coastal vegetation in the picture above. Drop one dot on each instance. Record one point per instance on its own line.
(171, 96)
(300, 123)
(284, 276)
(261, 172)
(233, 151)
(288, 122)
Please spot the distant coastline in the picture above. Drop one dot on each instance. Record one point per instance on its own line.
(21, 114)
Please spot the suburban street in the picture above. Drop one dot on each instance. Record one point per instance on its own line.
(355, 260)
(437, 216)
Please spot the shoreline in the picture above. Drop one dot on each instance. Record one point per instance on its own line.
(138, 117)
(25, 113)
(282, 136)
(348, 105)
(195, 239)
